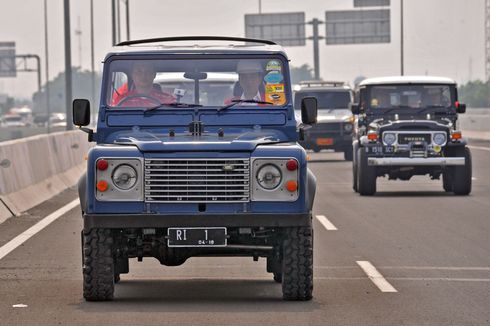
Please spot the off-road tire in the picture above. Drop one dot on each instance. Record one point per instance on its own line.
(348, 154)
(297, 264)
(447, 183)
(278, 277)
(461, 177)
(354, 169)
(366, 175)
(98, 265)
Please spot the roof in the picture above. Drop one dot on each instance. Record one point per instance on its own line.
(197, 45)
(406, 80)
(320, 85)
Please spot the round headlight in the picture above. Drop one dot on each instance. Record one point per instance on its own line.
(269, 177)
(347, 126)
(124, 177)
(389, 138)
(440, 138)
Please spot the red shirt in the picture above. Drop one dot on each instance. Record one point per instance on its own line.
(140, 100)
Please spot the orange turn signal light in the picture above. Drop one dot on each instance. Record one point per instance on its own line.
(372, 136)
(456, 135)
(292, 185)
(102, 186)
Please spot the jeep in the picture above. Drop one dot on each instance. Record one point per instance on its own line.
(408, 126)
(183, 171)
(334, 126)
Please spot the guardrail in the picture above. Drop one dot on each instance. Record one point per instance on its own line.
(36, 168)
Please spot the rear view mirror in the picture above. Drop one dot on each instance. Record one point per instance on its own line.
(309, 110)
(81, 112)
(354, 107)
(460, 107)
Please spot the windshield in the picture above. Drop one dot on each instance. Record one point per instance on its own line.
(210, 82)
(326, 100)
(410, 96)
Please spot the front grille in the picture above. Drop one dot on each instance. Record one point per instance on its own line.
(197, 180)
(410, 138)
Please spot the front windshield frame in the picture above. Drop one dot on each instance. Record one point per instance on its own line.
(443, 104)
(108, 77)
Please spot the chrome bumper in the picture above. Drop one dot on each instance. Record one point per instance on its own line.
(417, 161)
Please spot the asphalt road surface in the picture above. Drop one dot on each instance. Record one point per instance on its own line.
(411, 255)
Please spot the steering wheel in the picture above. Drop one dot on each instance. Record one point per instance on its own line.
(144, 96)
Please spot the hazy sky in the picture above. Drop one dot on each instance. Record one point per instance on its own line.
(442, 37)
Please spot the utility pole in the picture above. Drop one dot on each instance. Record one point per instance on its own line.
(118, 21)
(260, 6)
(487, 39)
(127, 20)
(316, 49)
(48, 103)
(78, 33)
(402, 59)
(113, 11)
(92, 62)
(68, 75)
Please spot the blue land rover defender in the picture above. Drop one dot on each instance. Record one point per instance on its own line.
(201, 160)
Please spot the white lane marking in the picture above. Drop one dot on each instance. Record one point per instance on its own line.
(480, 148)
(19, 305)
(326, 223)
(473, 178)
(443, 268)
(26, 235)
(376, 276)
(447, 279)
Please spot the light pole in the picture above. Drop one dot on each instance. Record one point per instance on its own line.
(401, 39)
(68, 75)
(48, 109)
(92, 62)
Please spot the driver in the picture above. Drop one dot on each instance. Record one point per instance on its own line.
(140, 90)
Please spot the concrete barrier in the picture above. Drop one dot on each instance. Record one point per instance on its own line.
(37, 168)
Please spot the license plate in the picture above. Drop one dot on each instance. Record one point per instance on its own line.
(197, 237)
(324, 141)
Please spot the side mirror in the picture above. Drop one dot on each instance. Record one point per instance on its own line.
(309, 108)
(81, 112)
(460, 107)
(354, 107)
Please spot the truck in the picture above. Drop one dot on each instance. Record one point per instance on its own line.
(173, 176)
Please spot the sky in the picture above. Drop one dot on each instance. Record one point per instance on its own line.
(442, 37)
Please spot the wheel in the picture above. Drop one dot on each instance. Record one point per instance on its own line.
(447, 182)
(297, 264)
(366, 175)
(354, 169)
(278, 277)
(98, 265)
(461, 178)
(348, 154)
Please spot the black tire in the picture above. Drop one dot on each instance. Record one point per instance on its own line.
(462, 174)
(447, 182)
(366, 175)
(348, 154)
(98, 265)
(278, 277)
(354, 169)
(297, 264)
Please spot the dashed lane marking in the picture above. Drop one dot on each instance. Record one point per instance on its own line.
(26, 235)
(326, 223)
(376, 276)
(480, 148)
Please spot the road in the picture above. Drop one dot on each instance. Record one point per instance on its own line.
(432, 248)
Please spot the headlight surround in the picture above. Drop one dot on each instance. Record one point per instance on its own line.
(389, 138)
(124, 177)
(439, 138)
(347, 126)
(269, 176)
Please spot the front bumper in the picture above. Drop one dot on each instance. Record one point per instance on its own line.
(418, 161)
(125, 221)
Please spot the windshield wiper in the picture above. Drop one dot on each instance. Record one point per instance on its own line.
(173, 105)
(235, 102)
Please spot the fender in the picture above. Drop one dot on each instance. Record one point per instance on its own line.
(310, 189)
(82, 191)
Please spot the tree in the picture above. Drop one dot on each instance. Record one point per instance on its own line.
(305, 72)
(475, 94)
(82, 88)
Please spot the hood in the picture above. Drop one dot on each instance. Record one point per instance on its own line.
(333, 115)
(208, 141)
(433, 125)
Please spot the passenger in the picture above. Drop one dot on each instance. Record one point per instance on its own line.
(250, 82)
(142, 91)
